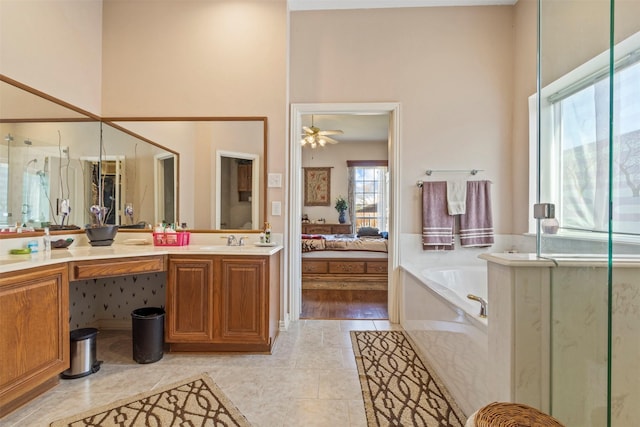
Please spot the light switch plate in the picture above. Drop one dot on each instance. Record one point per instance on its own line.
(274, 180)
(276, 208)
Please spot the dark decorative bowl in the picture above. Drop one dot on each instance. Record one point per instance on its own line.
(61, 243)
(101, 235)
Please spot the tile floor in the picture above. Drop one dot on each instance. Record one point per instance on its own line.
(310, 379)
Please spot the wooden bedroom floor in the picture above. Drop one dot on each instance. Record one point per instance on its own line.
(344, 304)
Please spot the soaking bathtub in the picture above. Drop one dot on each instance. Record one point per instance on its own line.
(446, 327)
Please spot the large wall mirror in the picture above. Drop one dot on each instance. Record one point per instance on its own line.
(229, 157)
(51, 166)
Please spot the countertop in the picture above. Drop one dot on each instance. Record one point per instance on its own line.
(9, 263)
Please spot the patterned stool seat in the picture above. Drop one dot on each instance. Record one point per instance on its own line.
(505, 414)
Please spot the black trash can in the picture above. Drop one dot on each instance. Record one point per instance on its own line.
(147, 326)
(82, 354)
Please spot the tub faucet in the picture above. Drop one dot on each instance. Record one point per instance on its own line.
(483, 304)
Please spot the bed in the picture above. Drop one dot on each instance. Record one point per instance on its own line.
(344, 262)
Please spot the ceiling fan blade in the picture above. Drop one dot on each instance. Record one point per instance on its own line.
(330, 132)
(329, 140)
(307, 130)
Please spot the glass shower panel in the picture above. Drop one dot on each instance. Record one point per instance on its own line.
(625, 218)
(573, 152)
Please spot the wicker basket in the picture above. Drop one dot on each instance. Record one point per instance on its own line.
(504, 414)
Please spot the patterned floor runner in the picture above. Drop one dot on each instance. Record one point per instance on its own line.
(193, 402)
(398, 387)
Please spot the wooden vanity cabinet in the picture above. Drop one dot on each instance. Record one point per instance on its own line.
(190, 299)
(34, 333)
(223, 303)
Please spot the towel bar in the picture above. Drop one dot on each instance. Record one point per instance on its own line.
(429, 172)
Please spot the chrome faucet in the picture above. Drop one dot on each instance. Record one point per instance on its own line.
(483, 304)
(241, 241)
(231, 240)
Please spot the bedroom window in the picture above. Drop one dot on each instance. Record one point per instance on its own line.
(368, 193)
(575, 151)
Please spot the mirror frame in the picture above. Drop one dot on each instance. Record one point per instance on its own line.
(263, 166)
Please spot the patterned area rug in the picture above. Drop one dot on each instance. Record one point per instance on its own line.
(192, 402)
(398, 387)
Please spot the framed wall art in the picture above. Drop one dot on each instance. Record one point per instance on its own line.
(317, 186)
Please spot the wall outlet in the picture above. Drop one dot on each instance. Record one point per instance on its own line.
(276, 208)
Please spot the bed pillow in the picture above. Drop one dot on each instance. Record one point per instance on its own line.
(313, 236)
(368, 232)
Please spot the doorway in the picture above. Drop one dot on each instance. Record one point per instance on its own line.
(293, 292)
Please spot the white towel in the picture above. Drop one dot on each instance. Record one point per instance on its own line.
(456, 197)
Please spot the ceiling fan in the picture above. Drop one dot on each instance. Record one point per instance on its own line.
(314, 136)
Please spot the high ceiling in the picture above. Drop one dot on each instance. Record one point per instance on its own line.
(370, 128)
(356, 127)
(372, 4)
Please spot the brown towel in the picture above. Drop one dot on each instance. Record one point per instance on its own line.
(437, 224)
(476, 225)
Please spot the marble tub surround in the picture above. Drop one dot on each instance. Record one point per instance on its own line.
(548, 331)
(451, 340)
(311, 378)
(454, 342)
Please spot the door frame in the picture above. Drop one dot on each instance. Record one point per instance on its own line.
(294, 226)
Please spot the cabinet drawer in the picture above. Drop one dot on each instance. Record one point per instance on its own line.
(347, 267)
(316, 229)
(379, 267)
(341, 229)
(315, 267)
(115, 267)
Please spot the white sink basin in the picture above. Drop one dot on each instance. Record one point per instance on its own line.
(219, 248)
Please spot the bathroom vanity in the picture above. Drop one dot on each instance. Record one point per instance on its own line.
(218, 299)
(34, 332)
(222, 302)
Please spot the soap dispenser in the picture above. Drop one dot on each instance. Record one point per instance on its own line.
(267, 232)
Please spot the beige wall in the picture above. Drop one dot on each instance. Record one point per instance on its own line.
(199, 58)
(525, 21)
(55, 47)
(450, 68)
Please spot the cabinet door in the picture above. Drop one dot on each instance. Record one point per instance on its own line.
(190, 300)
(242, 303)
(34, 332)
(244, 177)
